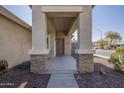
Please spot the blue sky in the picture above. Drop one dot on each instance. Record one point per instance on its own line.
(104, 18)
(22, 11)
(107, 18)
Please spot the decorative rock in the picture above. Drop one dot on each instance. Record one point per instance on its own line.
(102, 72)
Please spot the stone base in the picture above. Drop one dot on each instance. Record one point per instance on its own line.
(39, 64)
(85, 63)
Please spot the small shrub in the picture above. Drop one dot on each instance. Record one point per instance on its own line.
(117, 59)
(3, 68)
(25, 65)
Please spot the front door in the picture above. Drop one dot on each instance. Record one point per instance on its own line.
(59, 47)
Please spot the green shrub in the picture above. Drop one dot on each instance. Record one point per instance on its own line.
(101, 43)
(25, 65)
(3, 68)
(117, 59)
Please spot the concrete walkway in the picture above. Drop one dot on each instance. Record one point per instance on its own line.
(63, 64)
(62, 70)
(62, 81)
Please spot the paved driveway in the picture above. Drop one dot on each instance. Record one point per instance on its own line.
(104, 53)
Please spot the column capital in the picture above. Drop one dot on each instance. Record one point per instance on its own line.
(38, 52)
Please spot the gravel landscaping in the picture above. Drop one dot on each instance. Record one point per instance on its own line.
(18, 78)
(103, 77)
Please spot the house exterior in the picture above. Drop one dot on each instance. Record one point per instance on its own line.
(15, 38)
(117, 43)
(52, 27)
(49, 37)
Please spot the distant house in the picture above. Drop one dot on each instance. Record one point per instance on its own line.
(117, 43)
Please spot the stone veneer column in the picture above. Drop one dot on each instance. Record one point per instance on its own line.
(85, 63)
(39, 63)
(39, 52)
(84, 51)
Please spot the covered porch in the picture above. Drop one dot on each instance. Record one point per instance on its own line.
(52, 29)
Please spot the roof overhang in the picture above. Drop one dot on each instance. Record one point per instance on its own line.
(31, 6)
(14, 18)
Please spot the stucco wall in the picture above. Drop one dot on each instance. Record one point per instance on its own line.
(51, 36)
(67, 45)
(15, 41)
(52, 45)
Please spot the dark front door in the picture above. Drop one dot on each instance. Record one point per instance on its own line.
(59, 47)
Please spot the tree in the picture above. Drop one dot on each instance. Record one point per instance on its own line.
(112, 36)
(101, 43)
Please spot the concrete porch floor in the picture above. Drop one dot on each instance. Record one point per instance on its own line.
(62, 64)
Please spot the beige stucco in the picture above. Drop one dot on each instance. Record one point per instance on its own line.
(51, 38)
(52, 45)
(39, 31)
(15, 41)
(85, 31)
(67, 45)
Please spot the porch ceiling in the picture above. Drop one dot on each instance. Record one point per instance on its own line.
(62, 21)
